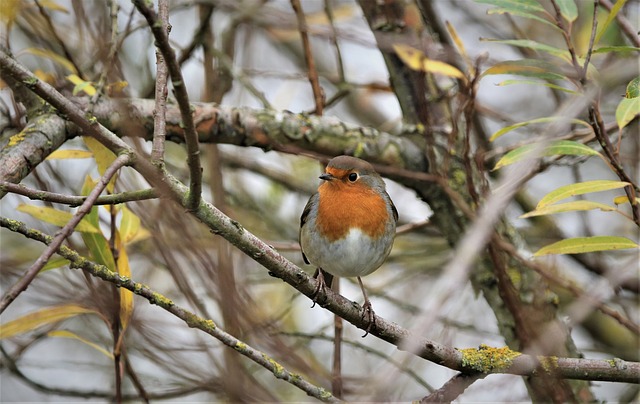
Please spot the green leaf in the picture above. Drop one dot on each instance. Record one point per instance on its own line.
(580, 245)
(546, 119)
(537, 83)
(557, 148)
(620, 48)
(568, 207)
(527, 43)
(56, 217)
(568, 9)
(96, 242)
(527, 68)
(39, 318)
(579, 188)
(633, 88)
(521, 8)
(627, 109)
(612, 15)
(55, 262)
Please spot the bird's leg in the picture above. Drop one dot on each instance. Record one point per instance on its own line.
(368, 310)
(323, 279)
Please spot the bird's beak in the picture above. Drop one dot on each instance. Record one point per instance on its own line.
(327, 177)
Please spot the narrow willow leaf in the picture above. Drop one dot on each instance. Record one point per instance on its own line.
(537, 83)
(527, 43)
(527, 68)
(586, 244)
(438, 67)
(129, 225)
(104, 158)
(620, 48)
(568, 207)
(416, 60)
(81, 85)
(54, 263)
(126, 296)
(568, 9)
(458, 42)
(39, 318)
(612, 15)
(546, 119)
(525, 6)
(627, 110)
(69, 334)
(557, 148)
(96, 242)
(56, 217)
(69, 154)
(579, 188)
(521, 8)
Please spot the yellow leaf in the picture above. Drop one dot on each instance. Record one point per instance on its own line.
(104, 158)
(416, 60)
(619, 200)
(129, 225)
(39, 318)
(69, 154)
(568, 207)
(410, 56)
(69, 334)
(438, 67)
(581, 245)
(56, 217)
(62, 61)
(81, 85)
(459, 44)
(126, 296)
(579, 188)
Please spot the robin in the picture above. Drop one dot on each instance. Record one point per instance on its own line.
(347, 228)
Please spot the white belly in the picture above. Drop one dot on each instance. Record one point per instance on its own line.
(356, 254)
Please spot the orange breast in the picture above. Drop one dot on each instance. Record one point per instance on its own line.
(343, 206)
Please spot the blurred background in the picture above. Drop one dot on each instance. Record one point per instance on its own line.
(248, 53)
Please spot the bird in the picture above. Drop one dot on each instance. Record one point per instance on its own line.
(347, 227)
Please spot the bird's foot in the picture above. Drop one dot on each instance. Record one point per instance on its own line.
(369, 315)
(320, 285)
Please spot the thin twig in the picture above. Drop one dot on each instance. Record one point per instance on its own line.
(179, 86)
(62, 234)
(77, 200)
(452, 388)
(160, 111)
(599, 129)
(318, 93)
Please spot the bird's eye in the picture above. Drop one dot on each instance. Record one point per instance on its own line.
(353, 177)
